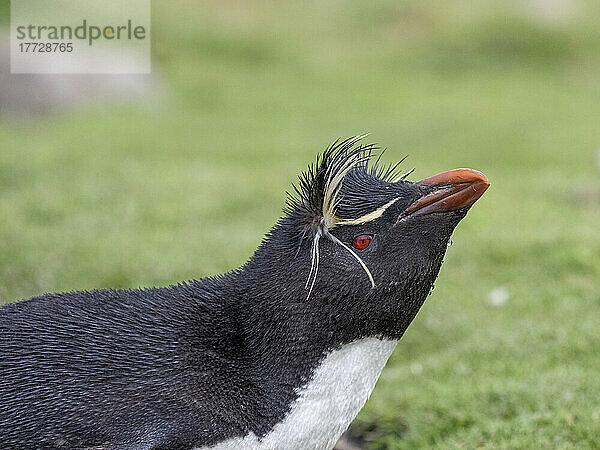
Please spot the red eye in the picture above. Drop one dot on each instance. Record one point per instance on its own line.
(361, 242)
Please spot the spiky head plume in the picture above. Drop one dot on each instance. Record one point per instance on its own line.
(315, 207)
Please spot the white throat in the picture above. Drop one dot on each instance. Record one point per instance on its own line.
(327, 404)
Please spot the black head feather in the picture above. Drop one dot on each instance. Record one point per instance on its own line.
(345, 161)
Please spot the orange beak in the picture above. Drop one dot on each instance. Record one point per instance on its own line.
(454, 189)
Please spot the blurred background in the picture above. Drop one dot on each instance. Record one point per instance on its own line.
(127, 181)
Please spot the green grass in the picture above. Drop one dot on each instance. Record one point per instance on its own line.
(127, 195)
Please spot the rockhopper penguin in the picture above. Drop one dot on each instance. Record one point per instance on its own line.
(280, 353)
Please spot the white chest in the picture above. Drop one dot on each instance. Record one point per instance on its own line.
(338, 390)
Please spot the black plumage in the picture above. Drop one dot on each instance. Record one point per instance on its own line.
(194, 364)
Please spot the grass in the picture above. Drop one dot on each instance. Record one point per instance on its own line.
(125, 195)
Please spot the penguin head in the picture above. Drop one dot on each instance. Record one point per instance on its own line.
(359, 247)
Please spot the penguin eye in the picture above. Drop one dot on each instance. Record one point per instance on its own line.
(361, 242)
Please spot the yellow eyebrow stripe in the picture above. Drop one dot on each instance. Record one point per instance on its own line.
(370, 216)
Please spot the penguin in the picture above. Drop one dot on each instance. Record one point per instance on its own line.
(280, 353)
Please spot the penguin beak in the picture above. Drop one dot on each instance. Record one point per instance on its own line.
(453, 190)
